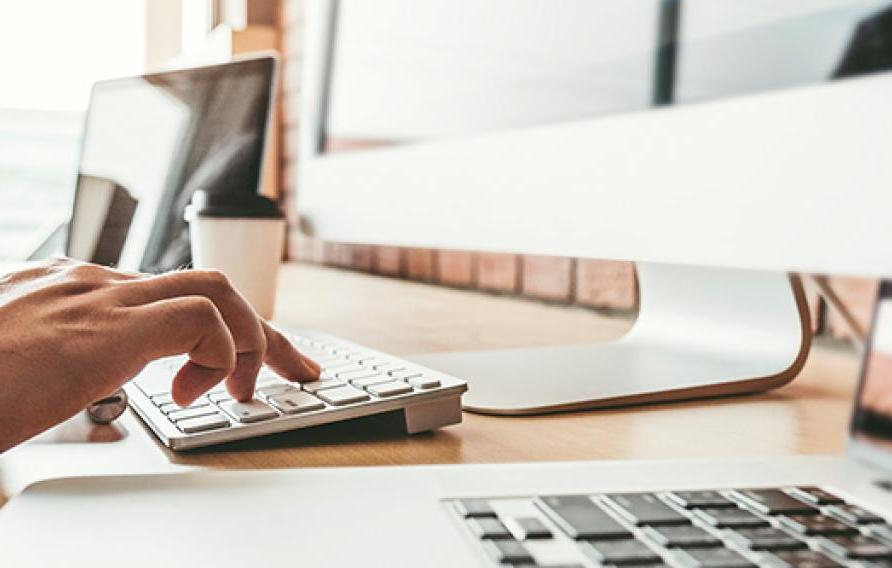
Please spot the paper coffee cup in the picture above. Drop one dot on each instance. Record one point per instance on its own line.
(242, 236)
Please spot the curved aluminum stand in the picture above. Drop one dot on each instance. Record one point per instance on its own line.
(700, 332)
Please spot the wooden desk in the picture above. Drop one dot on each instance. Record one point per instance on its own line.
(808, 416)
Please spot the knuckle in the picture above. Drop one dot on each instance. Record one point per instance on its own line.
(206, 308)
(201, 310)
(89, 272)
(216, 280)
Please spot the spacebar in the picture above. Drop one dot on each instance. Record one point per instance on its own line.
(581, 518)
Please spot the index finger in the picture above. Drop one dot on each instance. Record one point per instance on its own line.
(251, 334)
(284, 358)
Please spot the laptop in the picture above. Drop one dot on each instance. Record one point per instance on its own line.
(802, 511)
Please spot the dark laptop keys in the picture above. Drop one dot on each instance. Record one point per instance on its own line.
(687, 536)
(766, 538)
(474, 508)
(858, 547)
(620, 552)
(488, 527)
(815, 495)
(528, 528)
(853, 514)
(581, 518)
(773, 502)
(730, 518)
(712, 558)
(801, 559)
(700, 499)
(882, 532)
(645, 509)
(507, 552)
(811, 525)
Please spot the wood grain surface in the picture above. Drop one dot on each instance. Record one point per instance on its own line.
(808, 416)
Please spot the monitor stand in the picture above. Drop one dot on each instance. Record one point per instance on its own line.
(700, 332)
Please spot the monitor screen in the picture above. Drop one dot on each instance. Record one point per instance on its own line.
(872, 422)
(408, 71)
(149, 143)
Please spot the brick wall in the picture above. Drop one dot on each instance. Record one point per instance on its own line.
(587, 282)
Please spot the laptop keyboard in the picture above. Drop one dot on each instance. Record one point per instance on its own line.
(804, 527)
(356, 381)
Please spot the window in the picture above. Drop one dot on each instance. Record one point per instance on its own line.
(51, 52)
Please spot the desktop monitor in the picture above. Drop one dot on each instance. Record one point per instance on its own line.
(150, 142)
(714, 143)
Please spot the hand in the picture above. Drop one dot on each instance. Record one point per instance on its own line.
(71, 333)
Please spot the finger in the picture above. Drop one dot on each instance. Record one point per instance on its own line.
(191, 325)
(286, 360)
(241, 382)
(243, 323)
(192, 381)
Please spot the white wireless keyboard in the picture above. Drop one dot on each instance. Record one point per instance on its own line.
(356, 381)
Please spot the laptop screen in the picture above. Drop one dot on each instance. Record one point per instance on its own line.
(872, 420)
(149, 143)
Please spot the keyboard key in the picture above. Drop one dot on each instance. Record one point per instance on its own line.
(682, 536)
(881, 532)
(405, 374)
(701, 500)
(645, 509)
(186, 413)
(174, 407)
(488, 527)
(295, 402)
(815, 525)
(423, 382)
(246, 412)
(730, 518)
(712, 558)
(388, 367)
(581, 518)
(348, 352)
(507, 552)
(343, 365)
(267, 380)
(473, 508)
(371, 380)
(203, 423)
(342, 395)
(815, 496)
(858, 547)
(274, 390)
(853, 514)
(372, 362)
(773, 502)
(324, 360)
(766, 538)
(219, 397)
(316, 386)
(162, 399)
(528, 528)
(620, 552)
(801, 559)
(389, 389)
(361, 373)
